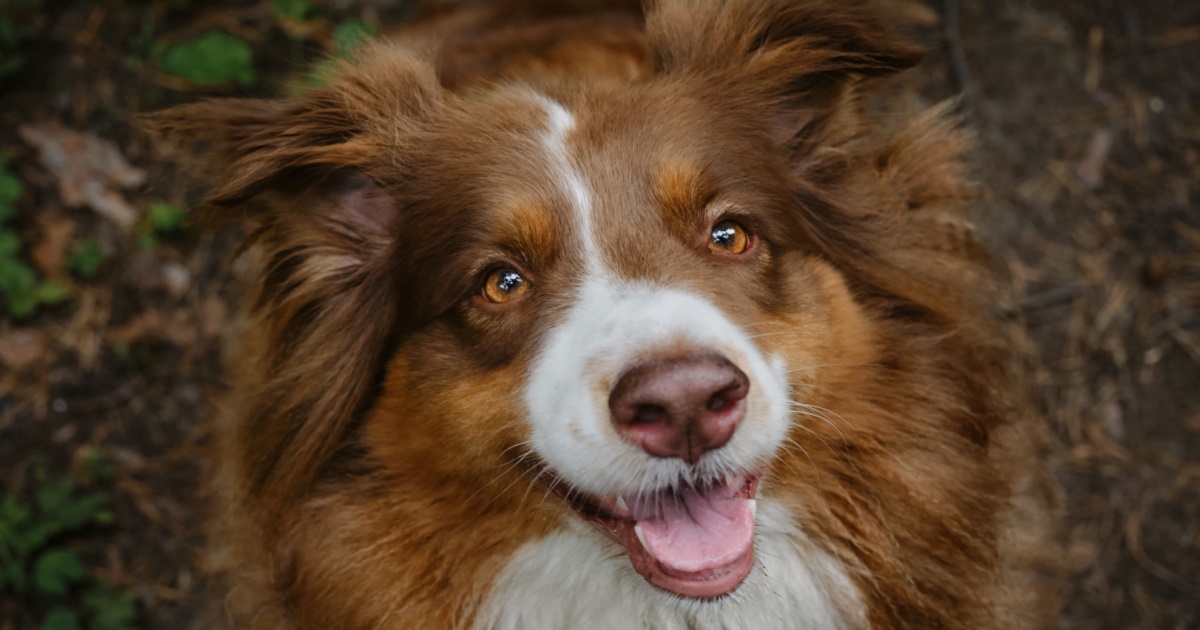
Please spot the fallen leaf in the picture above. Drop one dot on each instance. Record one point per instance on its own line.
(176, 278)
(1090, 169)
(149, 270)
(22, 347)
(212, 316)
(90, 170)
(50, 254)
(175, 327)
(1113, 420)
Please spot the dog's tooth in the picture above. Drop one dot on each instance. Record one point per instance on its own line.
(753, 508)
(637, 529)
(621, 505)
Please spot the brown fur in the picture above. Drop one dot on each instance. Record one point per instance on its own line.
(367, 454)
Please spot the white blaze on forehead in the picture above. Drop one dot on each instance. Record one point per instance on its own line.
(611, 325)
(570, 181)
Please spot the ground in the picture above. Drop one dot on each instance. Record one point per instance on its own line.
(1088, 117)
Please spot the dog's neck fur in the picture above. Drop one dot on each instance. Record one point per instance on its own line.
(795, 585)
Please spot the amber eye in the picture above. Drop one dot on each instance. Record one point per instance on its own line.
(728, 238)
(503, 285)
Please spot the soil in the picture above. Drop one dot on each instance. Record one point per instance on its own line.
(1088, 117)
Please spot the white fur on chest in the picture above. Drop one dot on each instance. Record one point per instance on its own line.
(575, 578)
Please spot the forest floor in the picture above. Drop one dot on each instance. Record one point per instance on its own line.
(111, 307)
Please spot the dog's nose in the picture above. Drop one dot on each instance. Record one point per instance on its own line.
(680, 407)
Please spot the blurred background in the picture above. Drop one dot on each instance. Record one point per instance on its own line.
(112, 307)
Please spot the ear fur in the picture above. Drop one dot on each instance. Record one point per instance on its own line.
(785, 45)
(795, 58)
(384, 91)
(309, 174)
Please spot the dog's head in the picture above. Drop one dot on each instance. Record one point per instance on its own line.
(637, 300)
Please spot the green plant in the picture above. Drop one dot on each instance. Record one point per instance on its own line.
(15, 32)
(10, 191)
(160, 218)
(98, 468)
(298, 10)
(19, 284)
(349, 35)
(37, 562)
(86, 259)
(212, 58)
(143, 42)
(122, 352)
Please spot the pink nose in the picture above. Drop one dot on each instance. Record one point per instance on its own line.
(680, 407)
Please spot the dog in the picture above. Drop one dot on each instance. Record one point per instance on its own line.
(593, 316)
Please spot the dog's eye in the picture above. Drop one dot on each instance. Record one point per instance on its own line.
(503, 285)
(728, 238)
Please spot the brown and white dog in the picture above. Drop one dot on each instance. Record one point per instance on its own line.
(570, 316)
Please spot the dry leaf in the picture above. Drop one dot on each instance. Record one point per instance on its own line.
(1090, 169)
(90, 170)
(176, 278)
(212, 316)
(149, 271)
(22, 347)
(175, 327)
(50, 254)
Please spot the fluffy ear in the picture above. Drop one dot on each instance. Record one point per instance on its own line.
(385, 92)
(795, 57)
(314, 175)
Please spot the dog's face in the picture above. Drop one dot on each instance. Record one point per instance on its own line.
(640, 307)
(623, 311)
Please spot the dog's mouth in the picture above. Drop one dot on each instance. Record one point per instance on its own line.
(696, 541)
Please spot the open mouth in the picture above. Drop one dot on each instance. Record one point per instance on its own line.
(694, 542)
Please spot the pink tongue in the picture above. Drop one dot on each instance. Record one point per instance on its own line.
(694, 531)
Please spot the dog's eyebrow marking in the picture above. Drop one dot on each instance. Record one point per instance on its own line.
(529, 228)
(683, 190)
(554, 140)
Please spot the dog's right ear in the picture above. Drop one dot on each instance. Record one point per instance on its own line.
(317, 179)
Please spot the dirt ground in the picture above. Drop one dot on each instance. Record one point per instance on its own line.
(1088, 114)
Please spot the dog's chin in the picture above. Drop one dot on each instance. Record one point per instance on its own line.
(695, 541)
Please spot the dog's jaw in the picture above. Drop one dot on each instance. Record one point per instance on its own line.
(794, 585)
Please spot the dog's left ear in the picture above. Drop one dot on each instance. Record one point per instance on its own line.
(794, 58)
(386, 92)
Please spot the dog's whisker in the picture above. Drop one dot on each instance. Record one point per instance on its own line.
(513, 464)
(822, 413)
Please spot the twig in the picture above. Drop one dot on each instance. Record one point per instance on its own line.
(1045, 299)
(958, 61)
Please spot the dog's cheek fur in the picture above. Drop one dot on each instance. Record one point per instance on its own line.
(408, 519)
(879, 469)
(896, 465)
(437, 399)
(432, 527)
